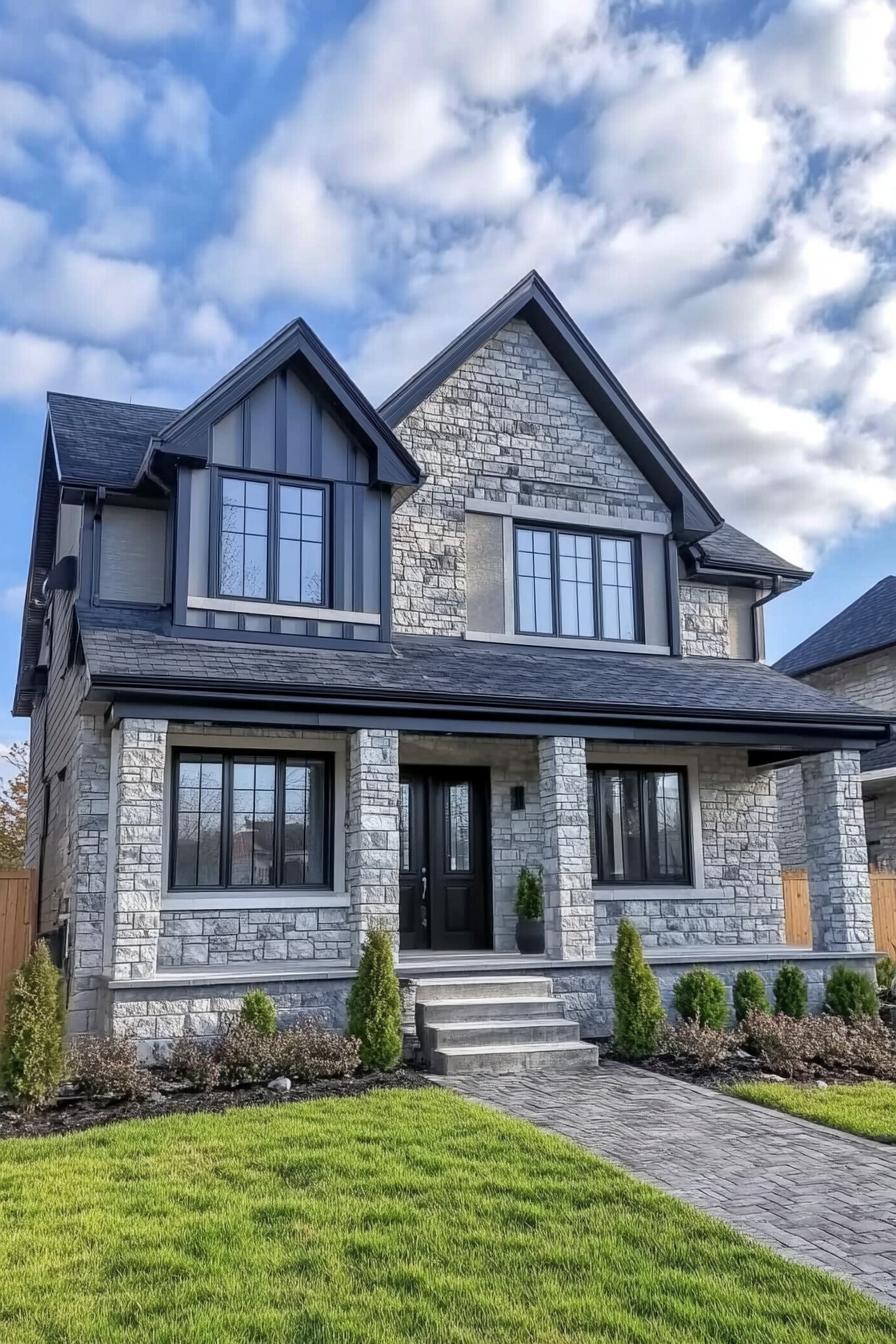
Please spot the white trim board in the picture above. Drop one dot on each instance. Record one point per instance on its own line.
(210, 901)
(559, 642)
(291, 610)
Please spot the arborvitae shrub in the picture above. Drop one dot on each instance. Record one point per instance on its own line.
(374, 1004)
(258, 1011)
(31, 1052)
(791, 992)
(699, 996)
(639, 1009)
(749, 993)
(530, 894)
(850, 994)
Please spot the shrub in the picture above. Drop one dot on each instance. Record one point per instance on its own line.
(31, 1050)
(788, 1044)
(885, 974)
(374, 1004)
(778, 1042)
(258, 1011)
(639, 1009)
(104, 1067)
(791, 992)
(850, 994)
(705, 1047)
(195, 1061)
(530, 894)
(246, 1055)
(309, 1051)
(749, 992)
(699, 996)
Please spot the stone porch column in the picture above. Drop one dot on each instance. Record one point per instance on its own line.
(371, 838)
(569, 902)
(138, 789)
(837, 857)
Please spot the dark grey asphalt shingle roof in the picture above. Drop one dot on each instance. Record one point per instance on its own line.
(729, 548)
(867, 624)
(102, 442)
(880, 758)
(421, 669)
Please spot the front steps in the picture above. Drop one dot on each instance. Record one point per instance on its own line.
(501, 1024)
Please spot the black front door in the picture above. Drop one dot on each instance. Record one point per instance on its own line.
(444, 888)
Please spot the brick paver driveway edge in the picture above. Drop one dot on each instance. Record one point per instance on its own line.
(814, 1194)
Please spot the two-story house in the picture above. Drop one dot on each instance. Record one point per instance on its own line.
(294, 664)
(853, 654)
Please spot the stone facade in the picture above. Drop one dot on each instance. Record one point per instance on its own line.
(837, 858)
(372, 842)
(869, 681)
(236, 937)
(138, 880)
(569, 902)
(704, 621)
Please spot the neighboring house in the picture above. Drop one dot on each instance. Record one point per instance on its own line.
(294, 664)
(854, 655)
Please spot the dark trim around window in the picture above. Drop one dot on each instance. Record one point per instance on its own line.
(648, 871)
(553, 531)
(227, 760)
(272, 581)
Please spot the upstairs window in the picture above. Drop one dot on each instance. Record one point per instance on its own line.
(638, 826)
(575, 584)
(272, 540)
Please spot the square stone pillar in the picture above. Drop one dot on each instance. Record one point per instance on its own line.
(371, 833)
(568, 898)
(137, 881)
(837, 856)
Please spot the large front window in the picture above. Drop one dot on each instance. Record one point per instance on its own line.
(638, 825)
(250, 820)
(575, 584)
(271, 540)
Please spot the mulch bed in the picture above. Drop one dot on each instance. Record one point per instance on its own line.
(76, 1113)
(747, 1070)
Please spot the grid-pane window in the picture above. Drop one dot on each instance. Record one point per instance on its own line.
(617, 588)
(575, 555)
(301, 544)
(458, 826)
(244, 820)
(535, 582)
(638, 826)
(244, 538)
(404, 824)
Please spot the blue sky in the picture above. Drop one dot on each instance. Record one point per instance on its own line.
(710, 186)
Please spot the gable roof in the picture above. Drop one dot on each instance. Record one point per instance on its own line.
(867, 624)
(102, 442)
(534, 302)
(733, 552)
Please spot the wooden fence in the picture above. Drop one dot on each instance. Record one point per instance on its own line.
(797, 923)
(16, 925)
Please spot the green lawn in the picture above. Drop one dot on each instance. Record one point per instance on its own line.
(863, 1108)
(394, 1216)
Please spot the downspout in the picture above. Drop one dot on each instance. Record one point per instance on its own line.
(758, 638)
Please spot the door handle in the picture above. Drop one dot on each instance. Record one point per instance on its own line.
(424, 912)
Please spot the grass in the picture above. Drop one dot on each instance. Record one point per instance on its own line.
(868, 1109)
(394, 1216)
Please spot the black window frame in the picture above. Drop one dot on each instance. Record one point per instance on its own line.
(228, 759)
(273, 481)
(597, 845)
(553, 531)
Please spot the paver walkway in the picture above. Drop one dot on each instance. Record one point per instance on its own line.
(814, 1194)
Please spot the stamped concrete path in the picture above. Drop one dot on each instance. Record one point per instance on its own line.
(814, 1194)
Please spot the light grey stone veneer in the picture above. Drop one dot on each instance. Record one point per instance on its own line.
(840, 896)
(569, 904)
(704, 621)
(139, 818)
(372, 842)
(237, 937)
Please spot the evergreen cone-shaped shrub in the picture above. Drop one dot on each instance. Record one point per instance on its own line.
(374, 1004)
(639, 1009)
(699, 996)
(749, 993)
(258, 1011)
(31, 1052)
(850, 994)
(791, 992)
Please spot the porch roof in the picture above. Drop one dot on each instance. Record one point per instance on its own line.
(453, 676)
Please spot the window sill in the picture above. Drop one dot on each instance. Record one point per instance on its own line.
(633, 892)
(559, 642)
(278, 898)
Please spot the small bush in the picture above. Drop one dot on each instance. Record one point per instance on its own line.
(309, 1051)
(705, 1047)
(194, 1061)
(778, 1042)
(790, 1045)
(749, 992)
(639, 1009)
(850, 994)
(374, 1004)
(791, 992)
(31, 1050)
(104, 1067)
(885, 974)
(258, 1011)
(699, 996)
(530, 894)
(246, 1055)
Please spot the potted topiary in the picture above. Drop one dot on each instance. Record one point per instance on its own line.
(530, 912)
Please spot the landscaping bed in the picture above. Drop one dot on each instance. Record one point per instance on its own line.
(866, 1108)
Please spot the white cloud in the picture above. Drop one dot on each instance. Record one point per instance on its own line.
(31, 363)
(27, 119)
(270, 23)
(140, 21)
(178, 117)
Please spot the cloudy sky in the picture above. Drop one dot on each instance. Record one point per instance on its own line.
(709, 185)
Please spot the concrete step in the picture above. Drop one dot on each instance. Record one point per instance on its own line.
(521, 1033)
(484, 987)
(557, 1056)
(485, 1010)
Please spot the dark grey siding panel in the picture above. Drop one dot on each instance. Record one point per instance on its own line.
(368, 599)
(298, 427)
(227, 439)
(653, 578)
(336, 450)
(343, 545)
(260, 426)
(132, 555)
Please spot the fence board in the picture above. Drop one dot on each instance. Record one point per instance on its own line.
(883, 910)
(797, 923)
(16, 925)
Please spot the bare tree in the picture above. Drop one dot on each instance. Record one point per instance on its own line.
(14, 808)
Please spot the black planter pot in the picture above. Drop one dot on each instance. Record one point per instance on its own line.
(530, 936)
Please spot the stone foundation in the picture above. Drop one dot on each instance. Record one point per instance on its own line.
(238, 937)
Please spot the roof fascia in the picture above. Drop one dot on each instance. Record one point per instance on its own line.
(693, 514)
(33, 615)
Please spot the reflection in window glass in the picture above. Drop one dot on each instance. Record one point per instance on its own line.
(404, 824)
(244, 538)
(617, 595)
(575, 563)
(534, 581)
(252, 839)
(197, 859)
(458, 820)
(638, 828)
(300, 570)
(304, 823)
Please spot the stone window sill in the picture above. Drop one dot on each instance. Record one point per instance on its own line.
(236, 899)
